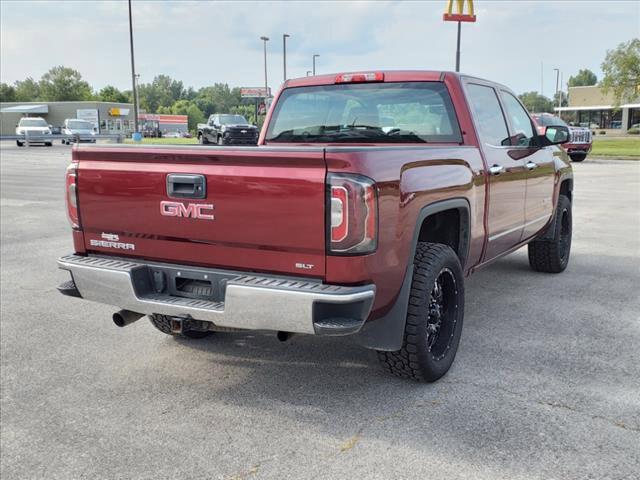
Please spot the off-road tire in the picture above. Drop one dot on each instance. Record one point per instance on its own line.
(163, 323)
(19, 143)
(552, 256)
(48, 144)
(416, 359)
(220, 140)
(578, 157)
(202, 139)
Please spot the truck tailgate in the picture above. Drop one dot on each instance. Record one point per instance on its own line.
(264, 208)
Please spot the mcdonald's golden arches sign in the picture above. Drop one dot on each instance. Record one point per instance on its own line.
(459, 15)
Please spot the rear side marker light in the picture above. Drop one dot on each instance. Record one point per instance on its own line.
(353, 214)
(360, 77)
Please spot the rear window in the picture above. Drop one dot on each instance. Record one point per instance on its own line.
(548, 120)
(80, 125)
(410, 112)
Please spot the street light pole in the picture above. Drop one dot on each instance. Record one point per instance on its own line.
(137, 95)
(284, 54)
(133, 74)
(557, 70)
(266, 85)
(560, 95)
(314, 62)
(458, 48)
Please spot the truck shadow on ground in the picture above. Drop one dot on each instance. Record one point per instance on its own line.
(315, 366)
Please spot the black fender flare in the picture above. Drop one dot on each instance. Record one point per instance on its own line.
(387, 332)
(549, 233)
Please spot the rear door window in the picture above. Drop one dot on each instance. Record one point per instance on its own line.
(488, 116)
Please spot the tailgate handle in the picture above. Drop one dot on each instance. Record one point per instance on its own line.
(186, 186)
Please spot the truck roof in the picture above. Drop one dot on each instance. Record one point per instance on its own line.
(389, 76)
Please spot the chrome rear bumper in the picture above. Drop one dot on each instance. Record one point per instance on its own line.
(241, 300)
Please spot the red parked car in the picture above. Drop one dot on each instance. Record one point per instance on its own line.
(370, 198)
(581, 140)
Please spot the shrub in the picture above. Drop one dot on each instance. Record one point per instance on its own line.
(634, 131)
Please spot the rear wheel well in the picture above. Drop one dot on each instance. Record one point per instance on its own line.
(449, 227)
(566, 189)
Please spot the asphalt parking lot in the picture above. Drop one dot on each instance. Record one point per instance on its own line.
(546, 383)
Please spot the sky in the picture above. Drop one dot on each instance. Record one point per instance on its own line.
(517, 43)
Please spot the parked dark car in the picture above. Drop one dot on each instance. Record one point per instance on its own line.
(225, 129)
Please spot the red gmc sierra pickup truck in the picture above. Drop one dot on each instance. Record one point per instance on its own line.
(370, 198)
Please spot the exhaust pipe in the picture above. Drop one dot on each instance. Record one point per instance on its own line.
(283, 336)
(126, 317)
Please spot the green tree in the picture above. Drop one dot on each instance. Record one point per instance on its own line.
(584, 78)
(217, 98)
(7, 93)
(27, 90)
(562, 96)
(536, 103)
(621, 68)
(64, 84)
(186, 107)
(112, 94)
(162, 91)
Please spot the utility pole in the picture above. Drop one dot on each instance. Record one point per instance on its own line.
(314, 62)
(133, 75)
(284, 54)
(266, 85)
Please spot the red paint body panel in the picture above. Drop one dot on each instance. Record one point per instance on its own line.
(408, 179)
(268, 206)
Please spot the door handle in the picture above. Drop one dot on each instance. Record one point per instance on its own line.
(186, 186)
(496, 169)
(531, 165)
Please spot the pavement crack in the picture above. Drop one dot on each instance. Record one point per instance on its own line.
(550, 403)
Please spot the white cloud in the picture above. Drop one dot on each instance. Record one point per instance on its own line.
(205, 42)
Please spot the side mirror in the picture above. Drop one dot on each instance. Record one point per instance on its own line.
(556, 135)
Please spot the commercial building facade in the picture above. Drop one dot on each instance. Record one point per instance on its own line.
(107, 117)
(590, 107)
(164, 123)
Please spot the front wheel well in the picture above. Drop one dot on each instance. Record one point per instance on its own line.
(566, 189)
(449, 227)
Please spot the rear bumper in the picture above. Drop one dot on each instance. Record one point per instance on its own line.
(577, 147)
(239, 300)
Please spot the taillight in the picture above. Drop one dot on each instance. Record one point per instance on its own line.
(360, 77)
(353, 214)
(71, 196)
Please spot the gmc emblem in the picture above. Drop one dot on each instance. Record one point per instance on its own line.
(190, 210)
